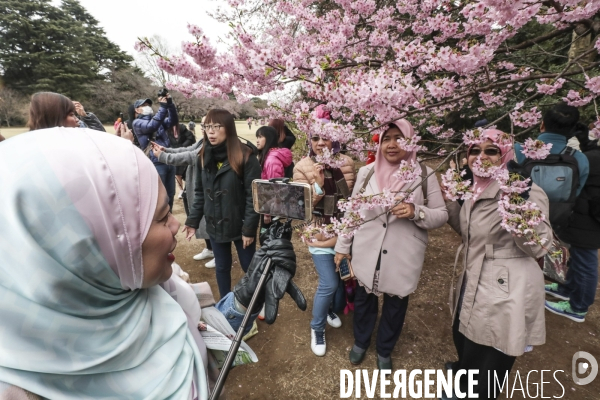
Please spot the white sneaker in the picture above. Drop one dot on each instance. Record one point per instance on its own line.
(333, 320)
(210, 264)
(317, 342)
(206, 253)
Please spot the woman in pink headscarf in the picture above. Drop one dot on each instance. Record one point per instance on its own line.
(387, 252)
(498, 303)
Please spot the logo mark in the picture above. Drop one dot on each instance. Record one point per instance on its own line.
(580, 368)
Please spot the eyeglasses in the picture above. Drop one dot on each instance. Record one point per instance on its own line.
(215, 127)
(490, 151)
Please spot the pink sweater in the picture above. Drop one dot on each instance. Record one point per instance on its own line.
(277, 160)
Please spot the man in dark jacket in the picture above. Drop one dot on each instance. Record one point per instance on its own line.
(148, 127)
(583, 233)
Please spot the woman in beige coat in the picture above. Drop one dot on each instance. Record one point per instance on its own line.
(387, 252)
(498, 303)
(329, 185)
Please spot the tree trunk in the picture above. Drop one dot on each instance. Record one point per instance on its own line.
(580, 45)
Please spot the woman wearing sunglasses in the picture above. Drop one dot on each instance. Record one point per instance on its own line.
(223, 194)
(329, 185)
(498, 302)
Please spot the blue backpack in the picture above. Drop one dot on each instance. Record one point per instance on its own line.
(558, 176)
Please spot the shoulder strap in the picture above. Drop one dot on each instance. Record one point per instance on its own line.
(424, 183)
(367, 179)
(568, 150)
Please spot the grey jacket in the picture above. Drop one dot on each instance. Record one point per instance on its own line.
(186, 156)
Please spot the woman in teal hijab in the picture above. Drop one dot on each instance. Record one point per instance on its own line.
(86, 239)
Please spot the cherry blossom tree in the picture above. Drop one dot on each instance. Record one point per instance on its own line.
(434, 62)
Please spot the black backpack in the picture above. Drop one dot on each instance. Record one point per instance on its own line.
(558, 176)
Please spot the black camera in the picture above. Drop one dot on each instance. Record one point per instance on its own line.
(163, 92)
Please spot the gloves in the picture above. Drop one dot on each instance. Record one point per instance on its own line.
(279, 279)
(277, 230)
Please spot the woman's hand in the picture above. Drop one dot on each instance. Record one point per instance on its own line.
(319, 173)
(247, 241)
(338, 259)
(404, 210)
(267, 219)
(79, 108)
(189, 232)
(124, 132)
(157, 149)
(154, 144)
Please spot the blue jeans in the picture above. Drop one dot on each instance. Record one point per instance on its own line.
(582, 278)
(330, 294)
(233, 316)
(223, 261)
(167, 176)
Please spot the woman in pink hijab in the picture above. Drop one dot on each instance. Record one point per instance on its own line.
(90, 305)
(498, 300)
(387, 252)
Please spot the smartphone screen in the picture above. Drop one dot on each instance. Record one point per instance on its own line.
(286, 200)
(344, 268)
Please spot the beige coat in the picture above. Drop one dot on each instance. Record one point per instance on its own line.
(503, 303)
(304, 173)
(401, 242)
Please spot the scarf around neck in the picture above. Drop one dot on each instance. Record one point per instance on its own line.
(214, 154)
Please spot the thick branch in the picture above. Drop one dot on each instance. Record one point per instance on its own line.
(531, 42)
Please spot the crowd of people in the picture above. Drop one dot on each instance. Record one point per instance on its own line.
(94, 220)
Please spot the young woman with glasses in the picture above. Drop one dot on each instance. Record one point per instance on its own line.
(223, 194)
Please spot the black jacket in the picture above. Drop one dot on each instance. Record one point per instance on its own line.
(225, 200)
(584, 224)
(185, 138)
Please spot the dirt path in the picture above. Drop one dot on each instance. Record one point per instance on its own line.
(288, 369)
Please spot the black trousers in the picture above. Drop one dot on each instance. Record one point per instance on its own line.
(486, 359)
(366, 307)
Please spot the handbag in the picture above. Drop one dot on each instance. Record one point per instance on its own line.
(554, 264)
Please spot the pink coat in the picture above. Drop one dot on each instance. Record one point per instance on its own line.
(277, 160)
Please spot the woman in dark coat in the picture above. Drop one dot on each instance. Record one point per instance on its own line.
(223, 193)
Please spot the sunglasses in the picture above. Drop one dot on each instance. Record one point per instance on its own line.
(490, 151)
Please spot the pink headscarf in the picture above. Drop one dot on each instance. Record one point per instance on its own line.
(384, 171)
(506, 151)
(114, 187)
(117, 201)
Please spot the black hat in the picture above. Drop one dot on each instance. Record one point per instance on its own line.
(142, 101)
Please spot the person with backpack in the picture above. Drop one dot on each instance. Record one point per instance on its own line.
(563, 173)
(388, 251)
(223, 193)
(583, 233)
